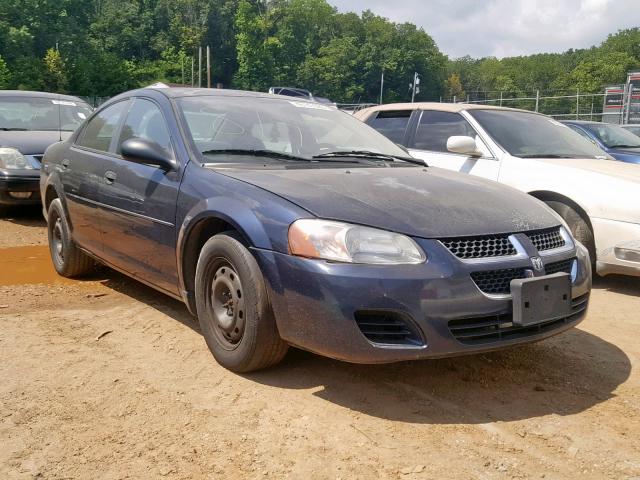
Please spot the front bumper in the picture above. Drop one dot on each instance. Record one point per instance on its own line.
(19, 181)
(316, 304)
(618, 247)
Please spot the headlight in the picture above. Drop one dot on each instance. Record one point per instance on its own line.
(342, 242)
(12, 159)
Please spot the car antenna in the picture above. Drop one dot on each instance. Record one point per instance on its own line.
(59, 120)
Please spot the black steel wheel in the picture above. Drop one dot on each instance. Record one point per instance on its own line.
(68, 259)
(233, 307)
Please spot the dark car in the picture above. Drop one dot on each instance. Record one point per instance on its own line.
(618, 142)
(285, 222)
(29, 123)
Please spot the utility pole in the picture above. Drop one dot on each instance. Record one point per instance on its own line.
(381, 86)
(537, 99)
(193, 70)
(208, 67)
(415, 87)
(199, 67)
(182, 65)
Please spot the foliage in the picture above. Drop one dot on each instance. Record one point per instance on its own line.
(102, 47)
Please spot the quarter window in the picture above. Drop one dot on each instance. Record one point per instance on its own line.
(145, 121)
(99, 131)
(436, 127)
(392, 125)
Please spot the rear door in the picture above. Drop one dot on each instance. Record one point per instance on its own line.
(428, 141)
(82, 173)
(140, 203)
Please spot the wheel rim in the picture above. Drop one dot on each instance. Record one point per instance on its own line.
(57, 243)
(227, 305)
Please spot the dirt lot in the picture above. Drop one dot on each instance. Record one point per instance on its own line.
(106, 379)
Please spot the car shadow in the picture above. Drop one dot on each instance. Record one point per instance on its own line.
(618, 284)
(29, 216)
(563, 375)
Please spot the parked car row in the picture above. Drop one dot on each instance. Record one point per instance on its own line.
(281, 221)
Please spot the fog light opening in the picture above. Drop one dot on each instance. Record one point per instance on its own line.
(627, 254)
(21, 195)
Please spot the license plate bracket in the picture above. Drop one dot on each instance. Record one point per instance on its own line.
(541, 299)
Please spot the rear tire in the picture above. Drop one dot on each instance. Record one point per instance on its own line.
(68, 260)
(233, 308)
(579, 227)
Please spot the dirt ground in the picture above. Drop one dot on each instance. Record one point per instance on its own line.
(107, 379)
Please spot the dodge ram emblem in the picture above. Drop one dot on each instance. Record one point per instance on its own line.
(537, 263)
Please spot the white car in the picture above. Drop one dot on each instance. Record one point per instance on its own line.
(599, 198)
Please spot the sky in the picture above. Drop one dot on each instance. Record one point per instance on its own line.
(504, 28)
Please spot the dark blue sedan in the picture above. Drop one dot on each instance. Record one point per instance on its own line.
(618, 142)
(280, 222)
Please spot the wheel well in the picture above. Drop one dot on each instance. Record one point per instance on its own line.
(49, 197)
(556, 197)
(198, 236)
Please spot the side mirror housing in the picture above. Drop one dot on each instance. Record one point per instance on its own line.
(463, 145)
(140, 150)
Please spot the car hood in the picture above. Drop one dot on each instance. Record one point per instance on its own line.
(612, 168)
(422, 202)
(32, 142)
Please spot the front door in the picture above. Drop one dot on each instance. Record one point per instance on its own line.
(140, 204)
(82, 171)
(428, 142)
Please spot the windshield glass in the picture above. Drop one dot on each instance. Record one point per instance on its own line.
(635, 129)
(292, 127)
(613, 136)
(529, 135)
(35, 113)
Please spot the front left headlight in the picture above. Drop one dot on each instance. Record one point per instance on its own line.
(12, 159)
(343, 242)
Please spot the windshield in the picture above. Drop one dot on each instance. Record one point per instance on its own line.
(296, 128)
(635, 129)
(529, 135)
(36, 113)
(613, 136)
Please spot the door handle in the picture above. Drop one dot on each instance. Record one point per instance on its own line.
(110, 177)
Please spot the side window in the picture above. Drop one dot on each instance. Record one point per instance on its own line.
(99, 132)
(145, 121)
(436, 127)
(392, 124)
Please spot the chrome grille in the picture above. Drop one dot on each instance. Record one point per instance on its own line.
(480, 247)
(548, 239)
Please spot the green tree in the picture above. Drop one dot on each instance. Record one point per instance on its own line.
(56, 78)
(5, 75)
(453, 87)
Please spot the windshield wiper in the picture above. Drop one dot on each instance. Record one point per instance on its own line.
(550, 155)
(624, 146)
(256, 153)
(371, 155)
(269, 154)
(13, 129)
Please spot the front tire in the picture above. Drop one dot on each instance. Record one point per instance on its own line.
(233, 308)
(68, 260)
(579, 227)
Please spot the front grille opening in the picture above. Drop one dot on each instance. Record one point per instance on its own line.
(388, 328)
(548, 239)
(480, 247)
(561, 266)
(496, 328)
(497, 282)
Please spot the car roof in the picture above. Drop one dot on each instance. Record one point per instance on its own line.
(209, 92)
(584, 122)
(30, 94)
(442, 107)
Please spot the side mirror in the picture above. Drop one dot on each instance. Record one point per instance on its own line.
(464, 146)
(140, 150)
